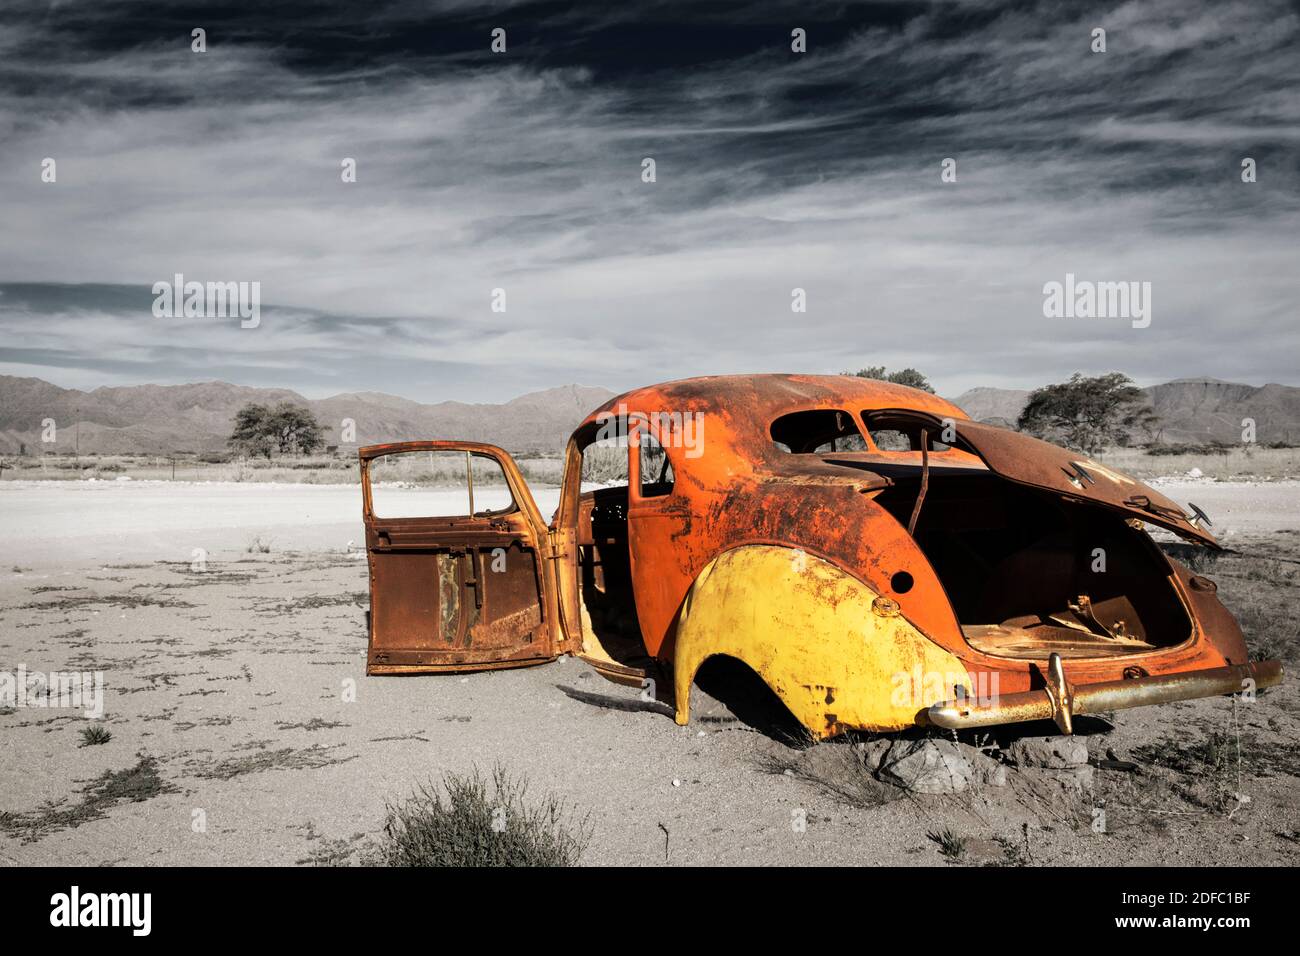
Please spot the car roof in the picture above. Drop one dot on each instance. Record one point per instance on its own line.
(749, 403)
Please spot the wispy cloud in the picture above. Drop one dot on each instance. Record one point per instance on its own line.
(523, 172)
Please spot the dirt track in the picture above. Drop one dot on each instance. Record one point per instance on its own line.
(232, 679)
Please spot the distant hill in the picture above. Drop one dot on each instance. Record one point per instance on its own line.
(161, 419)
(1206, 409)
(996, 405)
(1190, 409)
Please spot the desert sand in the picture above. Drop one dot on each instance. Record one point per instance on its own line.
(228, 678)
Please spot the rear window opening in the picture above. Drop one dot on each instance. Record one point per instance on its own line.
(1029, 573)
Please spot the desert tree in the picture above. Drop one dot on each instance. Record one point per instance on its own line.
(295, 429)
(905, 376)
(252, 432)
(287, 428)
(1087, 414)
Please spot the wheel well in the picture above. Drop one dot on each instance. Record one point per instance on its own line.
(737, 691)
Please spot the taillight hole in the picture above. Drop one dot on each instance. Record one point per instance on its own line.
(901, 582)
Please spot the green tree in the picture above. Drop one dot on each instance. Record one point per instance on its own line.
(1087, 414)
(252, 432)
(286, 428)
(295, 429)
(907, 376)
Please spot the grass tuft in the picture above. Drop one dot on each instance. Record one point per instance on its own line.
(94, 735)
(469, 821)
(951, 846)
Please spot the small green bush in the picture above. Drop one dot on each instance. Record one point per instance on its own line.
(469, 822)
(94, 735)
(950, 844)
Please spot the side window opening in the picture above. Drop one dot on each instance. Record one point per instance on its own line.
(656, 469)
(817, 431)
(889, 433)
(438, 484)
(604, 462)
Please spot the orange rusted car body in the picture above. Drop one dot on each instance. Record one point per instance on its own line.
(879, 559)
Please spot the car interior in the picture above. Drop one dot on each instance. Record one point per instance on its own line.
(1027, 572)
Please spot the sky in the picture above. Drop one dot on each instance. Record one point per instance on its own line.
(522, 171)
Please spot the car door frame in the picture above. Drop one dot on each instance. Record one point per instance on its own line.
(467, 534)
(653, 525)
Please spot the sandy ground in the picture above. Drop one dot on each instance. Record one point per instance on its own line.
(232, 678)
(87, 521)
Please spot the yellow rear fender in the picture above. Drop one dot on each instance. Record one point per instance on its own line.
(837, 654)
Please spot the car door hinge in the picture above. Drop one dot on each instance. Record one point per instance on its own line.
(556, 544)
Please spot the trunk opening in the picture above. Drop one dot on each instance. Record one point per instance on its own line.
(1030, 573)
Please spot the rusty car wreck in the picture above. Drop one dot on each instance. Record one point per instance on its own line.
(878, 559)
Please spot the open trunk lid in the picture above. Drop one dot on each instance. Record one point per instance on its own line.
(1039, 464)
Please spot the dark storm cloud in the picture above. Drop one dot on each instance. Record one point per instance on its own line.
(522, 172)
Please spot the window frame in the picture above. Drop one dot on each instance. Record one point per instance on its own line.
(465, 485)
(854, 420)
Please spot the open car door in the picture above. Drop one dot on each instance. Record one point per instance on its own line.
(1039, 464)
(456, 549)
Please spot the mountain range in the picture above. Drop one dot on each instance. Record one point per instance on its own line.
(167, 419)
(1189, 409)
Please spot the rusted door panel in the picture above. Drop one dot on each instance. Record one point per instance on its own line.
(509, 613)
(456, 593)
(432, 606)
(653, 527)
(657, 585)
(407, 609)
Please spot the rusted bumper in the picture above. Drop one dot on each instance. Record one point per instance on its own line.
(1060, 700)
